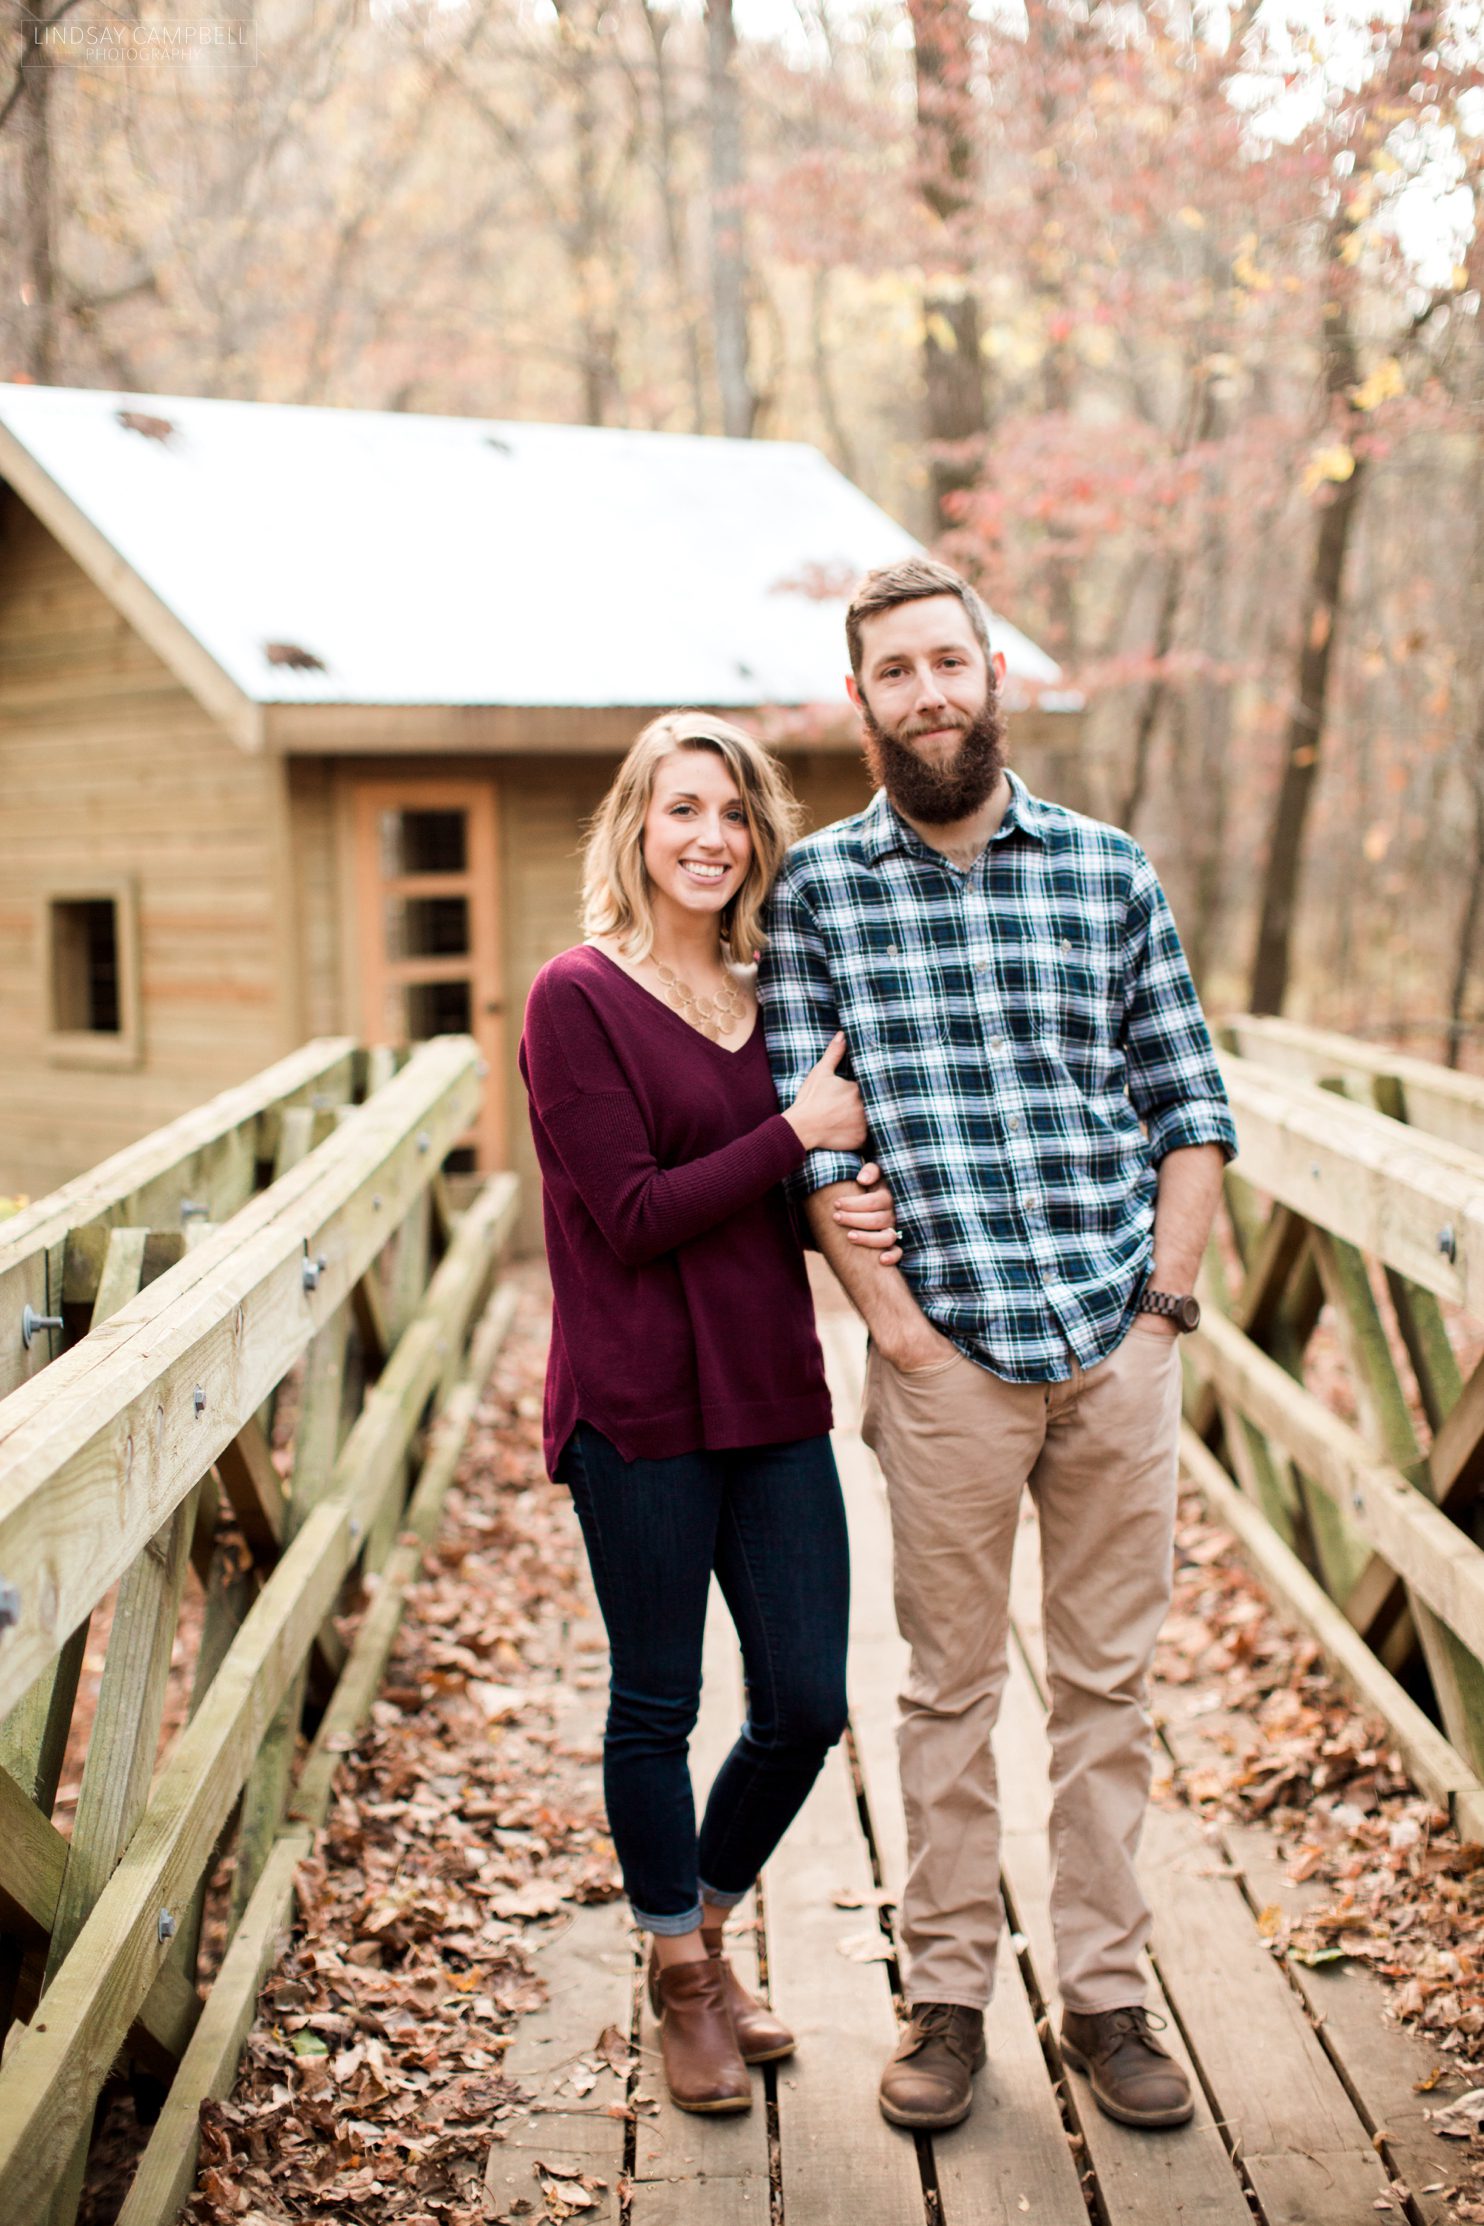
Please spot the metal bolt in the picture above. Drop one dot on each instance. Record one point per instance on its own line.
(198, 1399)
(1315, 1169)
(356, 1527)
(1448, 1242)
(1357, 1499)
(31, 1322)
(376, 1201)
(313, 1270)
(165, 1926)
(10, 1604)
(424, 1141)
(192, 1209)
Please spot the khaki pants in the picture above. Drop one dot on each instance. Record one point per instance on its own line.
(1099, 1454)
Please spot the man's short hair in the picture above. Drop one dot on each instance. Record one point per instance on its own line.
(910, 581)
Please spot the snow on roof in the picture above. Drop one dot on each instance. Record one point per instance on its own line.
(438, 560)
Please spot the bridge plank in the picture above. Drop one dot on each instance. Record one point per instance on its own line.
(1274, 2094)
(689, 2170)
(590, 1971)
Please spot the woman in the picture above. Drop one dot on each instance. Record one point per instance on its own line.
(686, 1405)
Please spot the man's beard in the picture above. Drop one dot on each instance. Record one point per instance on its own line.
(937, 795)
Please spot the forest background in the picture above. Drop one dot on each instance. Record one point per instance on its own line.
(1164, 326)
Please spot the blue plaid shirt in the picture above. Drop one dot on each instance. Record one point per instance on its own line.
(1011, 1027)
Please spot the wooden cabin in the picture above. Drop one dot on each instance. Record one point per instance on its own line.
(302, 711)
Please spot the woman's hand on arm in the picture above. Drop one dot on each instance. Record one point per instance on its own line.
(868, 1216)
(827, 1114)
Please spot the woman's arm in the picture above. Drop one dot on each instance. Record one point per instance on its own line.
(643, 1209)
(583, 1099)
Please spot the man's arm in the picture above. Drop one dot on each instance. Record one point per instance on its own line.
(1174, 1080)
(1176, 1088)
(880, 1295)
(1189, 1187)
(799, 1016)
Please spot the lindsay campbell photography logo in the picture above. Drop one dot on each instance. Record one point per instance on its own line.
(114, 41)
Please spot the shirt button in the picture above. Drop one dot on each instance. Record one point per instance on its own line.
(1066, 947)
(1014, 1120)
(1048, 1275)
(982, 967)
(996, 1043)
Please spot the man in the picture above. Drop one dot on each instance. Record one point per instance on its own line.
(1045, 1103)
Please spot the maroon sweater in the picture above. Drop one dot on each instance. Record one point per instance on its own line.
(682, 1316)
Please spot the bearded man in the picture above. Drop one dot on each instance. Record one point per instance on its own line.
(1045, 1103)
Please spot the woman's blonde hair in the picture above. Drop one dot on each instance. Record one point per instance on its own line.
(615, 886)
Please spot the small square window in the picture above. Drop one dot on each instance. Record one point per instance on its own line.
(90, 986)
(85, 964)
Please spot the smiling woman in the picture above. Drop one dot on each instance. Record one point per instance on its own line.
(685, 1398)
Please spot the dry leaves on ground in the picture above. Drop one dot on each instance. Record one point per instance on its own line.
(465, 1821)
(1393, 1886)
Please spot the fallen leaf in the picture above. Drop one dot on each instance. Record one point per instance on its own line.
(866, 1947)
(1461, 2119)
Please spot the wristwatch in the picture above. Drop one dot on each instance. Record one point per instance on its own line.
(1185, 1313)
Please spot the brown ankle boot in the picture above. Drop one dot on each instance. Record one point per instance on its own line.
(704, 2070)
(929, 2081)
(1132, 2078)
(761, 2037)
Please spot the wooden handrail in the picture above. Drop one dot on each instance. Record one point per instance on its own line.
(139, 1445)
(1439, 1100)
(1362, 1211)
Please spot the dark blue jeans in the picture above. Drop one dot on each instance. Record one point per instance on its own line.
(770, 1521)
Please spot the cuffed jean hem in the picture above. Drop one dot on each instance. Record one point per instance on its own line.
(668, 1928)
(719, 1900)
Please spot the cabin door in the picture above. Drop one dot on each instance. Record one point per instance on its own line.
(427, 867)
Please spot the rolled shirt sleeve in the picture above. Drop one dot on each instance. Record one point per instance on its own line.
(796, 997)
(1174, 1081)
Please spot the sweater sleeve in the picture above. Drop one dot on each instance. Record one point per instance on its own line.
(597, 1129)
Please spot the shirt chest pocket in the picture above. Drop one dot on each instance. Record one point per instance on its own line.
(896, 1002)
(1078, 997)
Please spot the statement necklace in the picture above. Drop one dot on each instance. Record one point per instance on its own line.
(714, 1016)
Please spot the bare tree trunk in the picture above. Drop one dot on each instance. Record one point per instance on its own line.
(824, 377)
(952, 352)
(592, 263)
(1468, 930)
(1154, 695)
(658, 25)
(729, 275)
(38, 218)
(1304, 739)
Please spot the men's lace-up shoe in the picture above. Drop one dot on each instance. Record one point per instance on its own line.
(1133, 2079)
(929, 2082)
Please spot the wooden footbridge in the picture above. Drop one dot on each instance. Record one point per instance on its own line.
(1352, 1259)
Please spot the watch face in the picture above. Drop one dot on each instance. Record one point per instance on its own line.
(1189, 1314)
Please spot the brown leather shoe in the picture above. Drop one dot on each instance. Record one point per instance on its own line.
(929, 2082)
(704, 2070)
(762, 2038)
(1133, 2079)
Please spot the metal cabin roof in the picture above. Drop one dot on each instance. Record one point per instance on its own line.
(465, 561)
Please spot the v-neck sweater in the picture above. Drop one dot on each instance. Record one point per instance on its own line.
(682, 1319)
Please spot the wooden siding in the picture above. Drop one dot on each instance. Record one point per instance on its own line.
(109, 768)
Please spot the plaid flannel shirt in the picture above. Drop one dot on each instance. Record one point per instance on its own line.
(1029, 1045)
